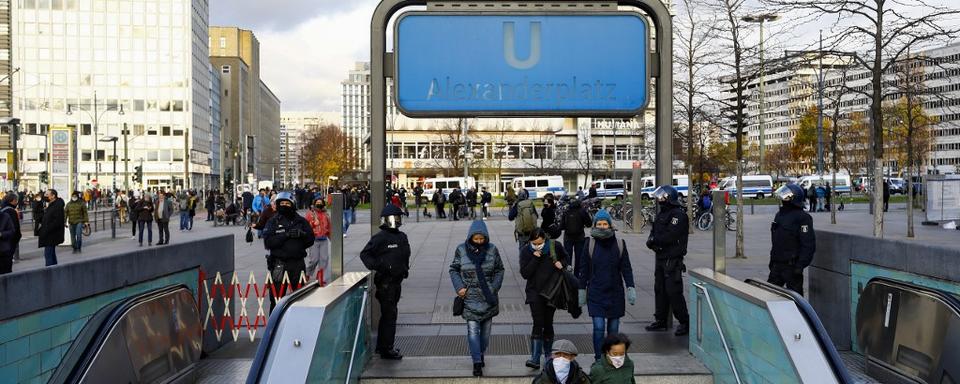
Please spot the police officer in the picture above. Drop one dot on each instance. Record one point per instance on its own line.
(388, 254)
(793, 240)
(668, 239)
(287, 236)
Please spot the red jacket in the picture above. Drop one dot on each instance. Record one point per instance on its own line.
(320, 223)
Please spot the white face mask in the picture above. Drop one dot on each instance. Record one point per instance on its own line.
(617, 361)
(562, 368)
(537, 247)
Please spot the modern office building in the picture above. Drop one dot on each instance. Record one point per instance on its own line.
(216, 165)
(250, 111)
(293, 128)
(95, 67)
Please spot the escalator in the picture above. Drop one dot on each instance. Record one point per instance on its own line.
(909, 333)
(830, 354)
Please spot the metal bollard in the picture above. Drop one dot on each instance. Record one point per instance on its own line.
(719, 232)
(336, 237)
(113, 225)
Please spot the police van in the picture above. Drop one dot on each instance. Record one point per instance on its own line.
(610, 188)
(447, 185)
(754, 186)
(538, 186)
(680, 182)
(842, 185)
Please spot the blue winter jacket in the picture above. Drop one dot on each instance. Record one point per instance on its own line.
(259, 202)
(463, 274)
(605, 274)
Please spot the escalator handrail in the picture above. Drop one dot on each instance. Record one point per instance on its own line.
(948, 299)
(85, 347)
(813, 320)
(263, 350)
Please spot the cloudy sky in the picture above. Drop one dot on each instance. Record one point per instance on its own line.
(306, 46)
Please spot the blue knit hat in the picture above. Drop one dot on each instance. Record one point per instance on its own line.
(602, 215)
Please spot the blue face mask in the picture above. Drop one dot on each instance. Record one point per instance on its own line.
(562, 368)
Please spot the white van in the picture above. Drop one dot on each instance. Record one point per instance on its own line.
(447, 185)
(680, 182)
(755, 186)
(538, 186)
(842, 186)
(609, 188)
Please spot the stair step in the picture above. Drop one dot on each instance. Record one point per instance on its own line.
(508, 369)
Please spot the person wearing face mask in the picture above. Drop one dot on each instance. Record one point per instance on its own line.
(616, 366)
(287, 236)
(320, 252)
(76, 217)
(477, 275)
(550, 222)
(604, 273)
(541, 263)
(563, 367)
(50, 234)
(668, 239)
(388, 255)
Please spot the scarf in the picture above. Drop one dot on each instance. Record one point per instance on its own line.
(478, 255)
(601, 233)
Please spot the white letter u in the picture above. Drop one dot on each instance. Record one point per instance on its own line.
(509, 51)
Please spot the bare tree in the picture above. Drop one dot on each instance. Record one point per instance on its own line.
(888, 30)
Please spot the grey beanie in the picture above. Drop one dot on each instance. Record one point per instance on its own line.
(565, 346)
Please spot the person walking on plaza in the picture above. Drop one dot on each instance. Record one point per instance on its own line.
(829, 197)
(886, 195)
(563, 367)
(615, 367)
(210, 204)
(542, 262)
(605, 272)
(793, 238)
(77, 218)
(472, 203)
(347, 210)
(524, 216)
(457, 201)
(9, 232)
(267, 212)
(821, 197)
(574, 220)
(812, 195)
(162, 214)
(510, 196)
(550, 222)
(192, 204)
(287, 236)
(387, 253)
(477, 275)
(592, 194)
(668, 239)
(485, 200)
(122, 208)
(50, 234)
(439, 200)
(183, 206)
(145, 210)
(132, 214)
(319, 258)
(37, 207)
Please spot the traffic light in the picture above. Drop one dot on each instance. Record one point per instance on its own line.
(137, 174)
(44, 177)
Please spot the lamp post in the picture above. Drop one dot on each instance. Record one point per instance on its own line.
(108, 139)
(14, 124)
(96, 125)
(761, 18)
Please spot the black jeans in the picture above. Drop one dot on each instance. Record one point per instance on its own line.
(783, 274)
(292, 269)
(542, 319)
(668, 288)
(163, 228)
(388, 294)
(6, 264)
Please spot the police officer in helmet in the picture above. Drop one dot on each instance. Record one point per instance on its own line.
(287, 236)
(388, 254)
(794, 242)
(668, 239)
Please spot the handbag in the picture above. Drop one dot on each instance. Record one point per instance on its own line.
(249, 237)
(458, 306)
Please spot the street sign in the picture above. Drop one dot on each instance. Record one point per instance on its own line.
(61, 160)
(522, 64)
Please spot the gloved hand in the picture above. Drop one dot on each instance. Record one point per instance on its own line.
(650, 242)
(632, 295)
(582, 297)
(294, 233)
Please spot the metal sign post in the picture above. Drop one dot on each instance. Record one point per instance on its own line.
(719, 232)
(336, 238)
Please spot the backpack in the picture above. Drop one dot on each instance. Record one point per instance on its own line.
(593, 244)
(526, 220)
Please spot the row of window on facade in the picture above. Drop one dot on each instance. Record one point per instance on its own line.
(107, 155)
(520, 151)
(87, 129)
(136, 105)
(110, 6)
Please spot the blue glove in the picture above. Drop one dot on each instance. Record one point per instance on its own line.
(582, 297)
(631, 295)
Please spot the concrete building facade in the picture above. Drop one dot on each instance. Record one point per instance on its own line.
(293, 128)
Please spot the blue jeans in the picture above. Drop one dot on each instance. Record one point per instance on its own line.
(478, 338)
(353, 216)
(601, 328)
(347, 213)
(149, 225)
(76, 235)
(50, 255)
(184, 220)
(574, 247)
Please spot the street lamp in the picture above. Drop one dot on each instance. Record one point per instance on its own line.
(96, 125)
(108, 139)
(761, 18)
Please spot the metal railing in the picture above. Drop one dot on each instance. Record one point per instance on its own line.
(100, 220)
(726, 348)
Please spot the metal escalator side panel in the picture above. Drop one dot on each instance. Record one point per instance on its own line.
(909, 333)
(274, 324)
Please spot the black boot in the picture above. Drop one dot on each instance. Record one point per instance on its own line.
(657, 326)
(391, 354)
(478, 369)
(547, 349)
(682, 330)
(536, 348)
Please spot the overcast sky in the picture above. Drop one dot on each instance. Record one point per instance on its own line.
(308, 46)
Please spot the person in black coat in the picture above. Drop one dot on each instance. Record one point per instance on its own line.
(37, 206)
(472, 203)
(9, 207)
(793, 239)
(541, 263)
(886, 195)
(485, 200)
(9, 232)
(287, 236)
(457, 200)
(668, 239)
(574, 220)
(388, 254)
(550, 222)
(50, 234)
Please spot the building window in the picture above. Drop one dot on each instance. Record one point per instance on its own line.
(165, 130)
(101, 154)
(86, 129)
(224, 69)
(223, 42)
(86, 155)
(178, 132)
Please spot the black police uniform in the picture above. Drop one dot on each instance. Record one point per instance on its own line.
(287, 238)
(668, 238)
(388, 254)
(794, 244)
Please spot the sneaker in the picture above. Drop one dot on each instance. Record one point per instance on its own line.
(682, 330)
(392, 354)
(656, 326)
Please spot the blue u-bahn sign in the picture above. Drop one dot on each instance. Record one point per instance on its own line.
(450, 65)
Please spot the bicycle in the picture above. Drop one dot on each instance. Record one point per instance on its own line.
(647, 213)
(704, 221)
